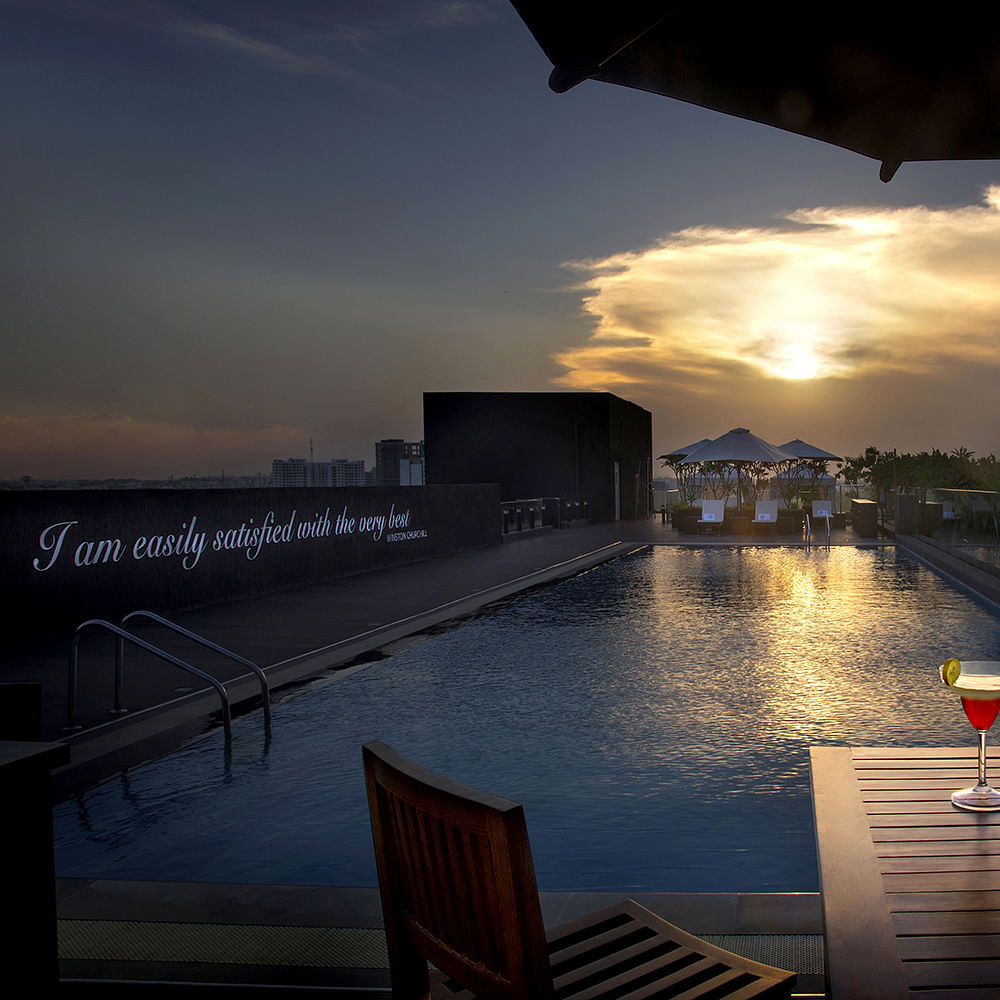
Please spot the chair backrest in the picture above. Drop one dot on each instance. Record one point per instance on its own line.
(713, 510)
(822, 508)
(457, 883)
(766, 510)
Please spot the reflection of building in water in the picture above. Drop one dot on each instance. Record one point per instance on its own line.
(300, 472)
(399, 462)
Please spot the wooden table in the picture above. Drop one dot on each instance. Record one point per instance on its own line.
(910, 884)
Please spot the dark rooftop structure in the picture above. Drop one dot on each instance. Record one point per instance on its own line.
(588, 446)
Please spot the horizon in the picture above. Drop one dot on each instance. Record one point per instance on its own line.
(230, 229)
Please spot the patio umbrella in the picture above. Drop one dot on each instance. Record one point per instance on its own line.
(880, 80)
(805, 474)
(674, 459)
(800, 449)
(739, 448)
(685, 451)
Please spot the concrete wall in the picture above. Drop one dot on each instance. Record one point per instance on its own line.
(74, 554)
(540, 444)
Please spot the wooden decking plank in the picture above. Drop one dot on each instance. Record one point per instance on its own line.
(961, 881)
(959, 834)
(946, 923)
(929, 800)
(937, 863)
(947, 771)
(940, 782)
(930, 902)
(937, 848)
(905, 754)
(960, 973)
(952, 946)
(952, 818)
(969, 993)
(938, 794)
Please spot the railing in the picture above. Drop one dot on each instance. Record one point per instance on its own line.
(808, 527)
(265, 691)
(538, 512)
(71, 724)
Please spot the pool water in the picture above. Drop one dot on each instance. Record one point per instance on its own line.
(653, 715)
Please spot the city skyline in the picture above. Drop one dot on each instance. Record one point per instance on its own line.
(231, 228)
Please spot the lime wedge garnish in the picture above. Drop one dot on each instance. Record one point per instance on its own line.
(950, 670)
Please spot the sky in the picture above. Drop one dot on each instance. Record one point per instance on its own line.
(232, 227)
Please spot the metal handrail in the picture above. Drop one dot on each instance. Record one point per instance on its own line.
(809, 535)
(227, 720)
(265, 690)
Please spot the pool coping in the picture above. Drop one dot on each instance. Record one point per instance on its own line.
(114, 907)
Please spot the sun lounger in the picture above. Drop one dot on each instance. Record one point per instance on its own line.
(713, 513)
(765, 515)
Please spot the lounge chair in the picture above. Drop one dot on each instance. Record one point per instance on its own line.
(765, 515)
(458, 889)
(713, 513)
(823, 513)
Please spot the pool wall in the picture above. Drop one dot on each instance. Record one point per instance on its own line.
(73, 554)
(970, 573)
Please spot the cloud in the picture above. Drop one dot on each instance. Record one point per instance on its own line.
(261, 51)
(830, 293)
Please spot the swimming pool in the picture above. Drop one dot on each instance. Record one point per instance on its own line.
(653, 716)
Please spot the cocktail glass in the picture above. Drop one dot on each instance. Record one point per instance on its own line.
(978, 684)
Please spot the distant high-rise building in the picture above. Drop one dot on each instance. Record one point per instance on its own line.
(399, 462)
(290, 472)
(299, 472)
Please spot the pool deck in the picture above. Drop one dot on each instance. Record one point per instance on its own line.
(299, 634)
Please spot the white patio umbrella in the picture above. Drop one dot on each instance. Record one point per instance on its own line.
(739, 448)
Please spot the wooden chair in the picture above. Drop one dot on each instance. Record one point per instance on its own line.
(458, 889)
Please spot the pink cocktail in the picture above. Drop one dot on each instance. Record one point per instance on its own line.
(978, 684)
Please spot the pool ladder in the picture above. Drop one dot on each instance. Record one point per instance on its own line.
(125, 636)
(809, 534)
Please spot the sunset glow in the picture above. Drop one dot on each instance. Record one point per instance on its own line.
(234, 232)
(831, 293)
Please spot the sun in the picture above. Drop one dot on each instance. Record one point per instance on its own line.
(797, 362)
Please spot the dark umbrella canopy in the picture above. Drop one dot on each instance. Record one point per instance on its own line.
(878, 79)
(739, 446)
(686, 450)
(800, 449)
